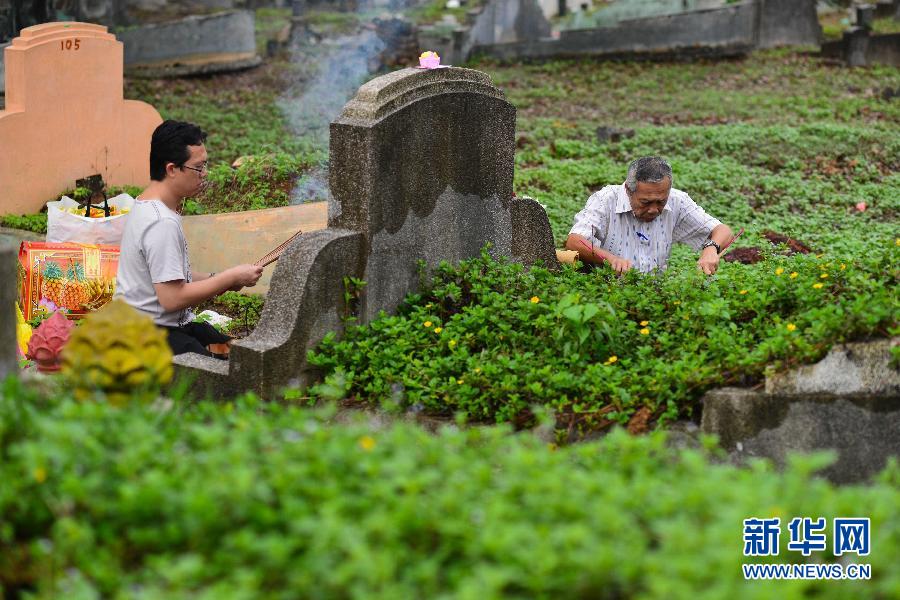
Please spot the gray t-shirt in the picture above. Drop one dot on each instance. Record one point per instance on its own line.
(153, 250)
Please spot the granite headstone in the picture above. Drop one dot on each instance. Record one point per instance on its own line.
(421, 169)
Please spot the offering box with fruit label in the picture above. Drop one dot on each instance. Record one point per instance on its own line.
(78, 277)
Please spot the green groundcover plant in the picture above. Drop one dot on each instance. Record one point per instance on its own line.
(493, 340)
(264, 500)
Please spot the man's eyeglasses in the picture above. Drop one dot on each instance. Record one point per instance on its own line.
(204, 168)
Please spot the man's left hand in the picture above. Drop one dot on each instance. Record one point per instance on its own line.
(709, 261)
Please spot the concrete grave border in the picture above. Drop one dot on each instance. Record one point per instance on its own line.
(848, 402)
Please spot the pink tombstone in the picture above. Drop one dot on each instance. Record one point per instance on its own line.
(66, 118)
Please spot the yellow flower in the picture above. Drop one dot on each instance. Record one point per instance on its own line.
(478, 369)
(742, 292)
(824, 275)
(451, 343)
(897, 242)
(366, 443)
(40, 474)
(794, 275)
(791, 327)
(644, 331)
(612, 359)
(818, 286)
(438, 329)
(426, 324)
(535, 299)
(644, 323)
(779, 270)
(429, 305)
(460, 381)
(843, 266)
(677, 302)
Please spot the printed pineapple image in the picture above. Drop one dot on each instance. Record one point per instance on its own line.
(52, 285)
(76, 290)
(100, 291)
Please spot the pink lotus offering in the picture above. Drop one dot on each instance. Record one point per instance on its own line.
(48, 340)
(429, 60)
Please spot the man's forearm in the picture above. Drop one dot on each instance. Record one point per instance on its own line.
(721, 235)
(180, 295)
(595, 255)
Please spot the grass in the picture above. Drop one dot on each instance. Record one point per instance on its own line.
(433, 11)
(263, 500)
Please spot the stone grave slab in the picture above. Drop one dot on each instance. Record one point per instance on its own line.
(192, 46)
(849, 402)
(66, 116)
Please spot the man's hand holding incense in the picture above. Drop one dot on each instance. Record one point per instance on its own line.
(244, 276)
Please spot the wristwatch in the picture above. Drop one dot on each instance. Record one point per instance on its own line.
(709, 243)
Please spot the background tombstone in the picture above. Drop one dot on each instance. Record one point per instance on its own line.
(788, 23)
(421, 167)
(194, 45)
(66, 118)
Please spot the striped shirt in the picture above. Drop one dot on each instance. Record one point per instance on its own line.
(608, 222)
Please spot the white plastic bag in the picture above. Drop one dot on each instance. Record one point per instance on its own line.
(63, 226)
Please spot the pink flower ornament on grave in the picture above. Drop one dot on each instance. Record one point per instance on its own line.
(48, 340)
(429, 60)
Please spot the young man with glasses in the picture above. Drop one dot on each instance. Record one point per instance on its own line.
(154, 274)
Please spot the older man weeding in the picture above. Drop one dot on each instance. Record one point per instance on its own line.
(633, 225)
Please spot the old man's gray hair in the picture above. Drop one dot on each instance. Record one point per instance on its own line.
(648, 169)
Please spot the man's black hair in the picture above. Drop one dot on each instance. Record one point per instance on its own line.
(169, 144)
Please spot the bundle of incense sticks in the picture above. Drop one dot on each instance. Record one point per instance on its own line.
(725, 247)
(591, 248)
(272, 256)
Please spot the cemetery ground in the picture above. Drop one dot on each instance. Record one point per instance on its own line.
(244, 498)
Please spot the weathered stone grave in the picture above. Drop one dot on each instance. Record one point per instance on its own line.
(670, 28)
(66, 116)
(860, 47)
(421, 168)
(194, 45)
(8, 252)
(849, 402)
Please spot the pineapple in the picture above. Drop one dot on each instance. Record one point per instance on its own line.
(52, 285)
(76, 290)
